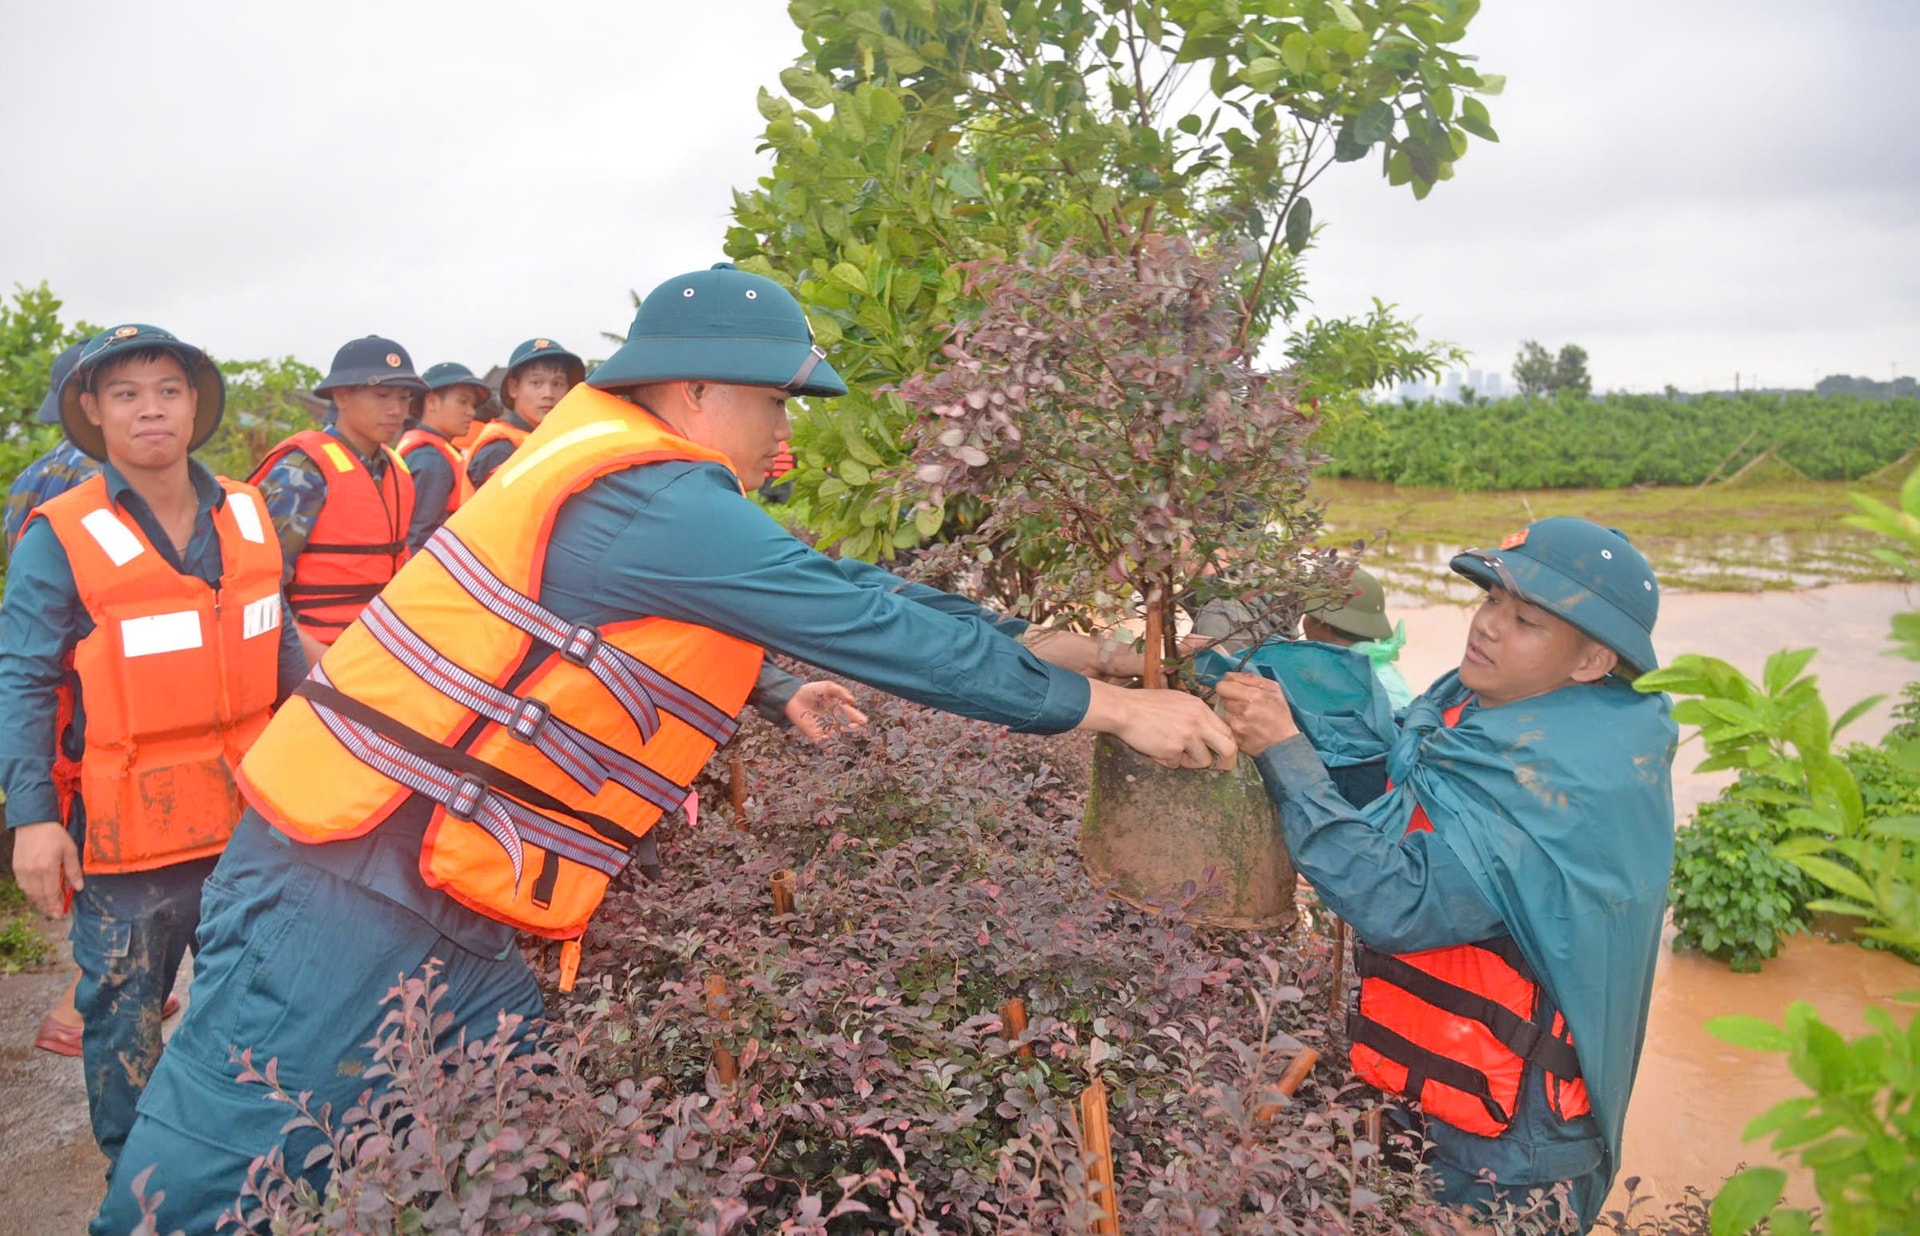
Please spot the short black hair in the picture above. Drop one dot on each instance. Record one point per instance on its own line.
(99, 373)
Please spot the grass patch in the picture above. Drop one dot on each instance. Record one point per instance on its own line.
(23, 946)
(1743, 538)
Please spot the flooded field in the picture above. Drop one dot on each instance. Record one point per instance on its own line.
(1695, 1094)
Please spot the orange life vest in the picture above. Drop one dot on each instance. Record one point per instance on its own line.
(359, 539)
(179, 678)
(418, 437)
(549, 749)
(1456, 1028)
(502, 430)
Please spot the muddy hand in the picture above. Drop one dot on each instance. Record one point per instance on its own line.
(46, 863)
(1256, 711)
(819, 708)
(1172, 728)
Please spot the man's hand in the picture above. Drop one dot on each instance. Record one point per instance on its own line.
(819, 708)
(1172, 728)
(46, 863)
(1256, 710)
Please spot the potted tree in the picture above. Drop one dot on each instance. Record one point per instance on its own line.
(1105, 407)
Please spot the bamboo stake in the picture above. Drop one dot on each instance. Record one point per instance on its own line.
(1099, 1147)
(725, 1066)
(737, 790)
(1339, 1001)
(1013, 1018)
(783, 882)
(1290, 1081)
(1155, 639)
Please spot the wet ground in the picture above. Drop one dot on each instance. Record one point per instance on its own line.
(1694, 1095)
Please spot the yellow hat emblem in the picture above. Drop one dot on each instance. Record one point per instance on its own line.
(541, 345)
(126, 332)
(393, 360)
(1515, 540)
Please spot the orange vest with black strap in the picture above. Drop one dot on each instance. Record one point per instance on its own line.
(179, 677)
(550, 749)
(359, 539)
(1457, 1028)
(417, 437)
(502, 430)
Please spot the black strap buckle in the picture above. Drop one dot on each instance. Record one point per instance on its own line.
(529, 718)
(581, 646)
(468, 793)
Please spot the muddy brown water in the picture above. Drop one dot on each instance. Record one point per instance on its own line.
(1694, 1093)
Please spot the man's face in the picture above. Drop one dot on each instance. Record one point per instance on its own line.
(1516, 650)
(533, 391)
(747, 424)
(370, 415)
(450, 411)
(145, 410)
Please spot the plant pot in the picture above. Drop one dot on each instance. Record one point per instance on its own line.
(1152, 830)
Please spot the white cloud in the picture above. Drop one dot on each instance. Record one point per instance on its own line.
(1686, 189)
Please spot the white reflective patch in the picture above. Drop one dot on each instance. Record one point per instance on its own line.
(144, 637)
(524, 461)
(116, 540)
(246, 513)
(260, 616)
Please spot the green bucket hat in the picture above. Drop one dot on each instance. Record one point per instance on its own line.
(1365, 613)
(721, 325)
(124, 341)
(445, 376)
(1588, 575)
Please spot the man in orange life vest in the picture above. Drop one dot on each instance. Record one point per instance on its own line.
(1508, 891)
(438, 467)
(160, 584)
(340, 497)
(493, 741)
(539, 374)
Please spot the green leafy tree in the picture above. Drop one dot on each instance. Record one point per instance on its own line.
(1570, 371)
(1533, 369)
(262, 408)
(934, 132)
(31, 336)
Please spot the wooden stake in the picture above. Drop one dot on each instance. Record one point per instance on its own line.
(1013, 1018)
(1155, 638)
(737, 790)
(783, 881)
(1339, 1001)
(1099, 1148)
(725, 1066)
(1290, 1080)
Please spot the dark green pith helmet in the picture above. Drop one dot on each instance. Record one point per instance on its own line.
(124, 341)
(721, 325)
(1364, 614)
(371, 361)
(542, 350)
(1590, 576)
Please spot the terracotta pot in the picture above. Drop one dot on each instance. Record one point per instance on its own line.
(1151, 830)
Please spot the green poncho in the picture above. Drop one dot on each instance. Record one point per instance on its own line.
(1561, 809)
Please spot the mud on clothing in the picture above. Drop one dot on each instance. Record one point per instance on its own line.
(677, 540)
(129, 931)
(1553, 824)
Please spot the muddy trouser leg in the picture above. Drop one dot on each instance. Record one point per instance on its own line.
(1458, 1187)
(129, 935)
(293, 964)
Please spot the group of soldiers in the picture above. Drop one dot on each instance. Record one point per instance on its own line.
(413, 689)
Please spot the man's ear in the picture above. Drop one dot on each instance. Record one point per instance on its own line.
(1595, 663)
(90, 407)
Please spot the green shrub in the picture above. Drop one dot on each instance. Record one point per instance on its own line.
(1732, 898)
(1619, 440)
(1858, 1131)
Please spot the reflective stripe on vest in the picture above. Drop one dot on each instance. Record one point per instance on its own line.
(1456, 1028)
(548, 748)
(178, 677)
(418, 437)
(358, 540)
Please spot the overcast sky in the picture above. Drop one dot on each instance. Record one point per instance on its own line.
(1687, 188)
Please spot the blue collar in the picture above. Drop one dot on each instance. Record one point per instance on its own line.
(205, 487)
